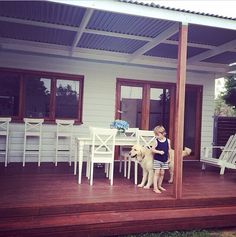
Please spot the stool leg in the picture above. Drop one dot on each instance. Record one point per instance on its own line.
(24, 150)
(56, 151)
(75, 158)
(6, 153)
(70, 152)
(40, 145)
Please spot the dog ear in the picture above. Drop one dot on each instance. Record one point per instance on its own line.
(142, 151)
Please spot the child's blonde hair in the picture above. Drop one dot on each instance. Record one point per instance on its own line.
(159, 129)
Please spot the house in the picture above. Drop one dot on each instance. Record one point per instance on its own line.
(94, 61)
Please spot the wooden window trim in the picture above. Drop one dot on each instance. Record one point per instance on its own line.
(53, 76)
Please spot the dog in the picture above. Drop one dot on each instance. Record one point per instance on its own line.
(144, 157)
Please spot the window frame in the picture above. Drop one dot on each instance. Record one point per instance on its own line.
(53, 76)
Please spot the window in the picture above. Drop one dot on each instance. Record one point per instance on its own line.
(40, 95)
(131, 105)
(9, 94)
(37, 97)
(67, 98)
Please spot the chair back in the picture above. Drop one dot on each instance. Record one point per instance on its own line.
(4, 125)
(131, 132)
(103, 144)
(146, 138)
(65, 127)
(33, 126)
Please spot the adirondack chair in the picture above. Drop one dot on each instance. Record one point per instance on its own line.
(227, 158)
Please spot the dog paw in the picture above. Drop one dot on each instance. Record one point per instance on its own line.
(140, 185)
(146, 187)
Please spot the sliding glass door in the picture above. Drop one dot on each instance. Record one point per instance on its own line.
(146, 104)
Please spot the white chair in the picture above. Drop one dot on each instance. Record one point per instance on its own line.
(4, 132)
(102, 150)
(33, 130)
(64, 138)
(145, 138)
(227, 158)
(124, 150)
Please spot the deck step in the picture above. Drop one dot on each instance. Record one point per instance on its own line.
(107, 223)
(51, 209)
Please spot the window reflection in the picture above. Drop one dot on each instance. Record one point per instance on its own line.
(37, 96)
(159, 108)
(131, 105)
(9, 94)
(67, 99)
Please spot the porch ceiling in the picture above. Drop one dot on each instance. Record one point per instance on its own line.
(46, 27)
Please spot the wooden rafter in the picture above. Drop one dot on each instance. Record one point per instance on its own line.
(83, 25)
(210, 53)
(154, 42)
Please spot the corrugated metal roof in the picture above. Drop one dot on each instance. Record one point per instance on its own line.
(43, 11)
(225, 57)
(175, 9)
(207, 35)
(127, 24)
(114, 44)
(37, 34)
(105, 31)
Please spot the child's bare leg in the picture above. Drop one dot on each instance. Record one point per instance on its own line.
(155, 181)
(160, 180)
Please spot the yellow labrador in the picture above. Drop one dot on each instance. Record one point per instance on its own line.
(145, 158)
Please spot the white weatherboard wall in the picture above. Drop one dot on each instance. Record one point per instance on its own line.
(99, 95)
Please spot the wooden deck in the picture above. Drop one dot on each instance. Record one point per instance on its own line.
(47, 201)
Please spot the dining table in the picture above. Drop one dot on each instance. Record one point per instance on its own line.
(81, 142)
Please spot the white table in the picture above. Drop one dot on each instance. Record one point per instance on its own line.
(82, 141)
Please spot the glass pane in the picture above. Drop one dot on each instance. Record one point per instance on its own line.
(9, 94)
(67, 99)
(159, 108)
(190, 119)
(37, 96)
(131, 105)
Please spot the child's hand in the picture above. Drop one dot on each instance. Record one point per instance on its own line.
(161, 152)
(153, 150)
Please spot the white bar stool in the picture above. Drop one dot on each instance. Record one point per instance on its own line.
(64, 132)
(33, 129)
(4, 132)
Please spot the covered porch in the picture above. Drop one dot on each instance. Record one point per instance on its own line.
(103, 48)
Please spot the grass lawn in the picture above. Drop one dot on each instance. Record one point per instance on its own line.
(194, 233)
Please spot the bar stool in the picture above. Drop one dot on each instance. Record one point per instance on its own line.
(4, 132)
(64, 132)
(33, 129)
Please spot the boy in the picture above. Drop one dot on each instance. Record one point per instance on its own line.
(161, 153)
